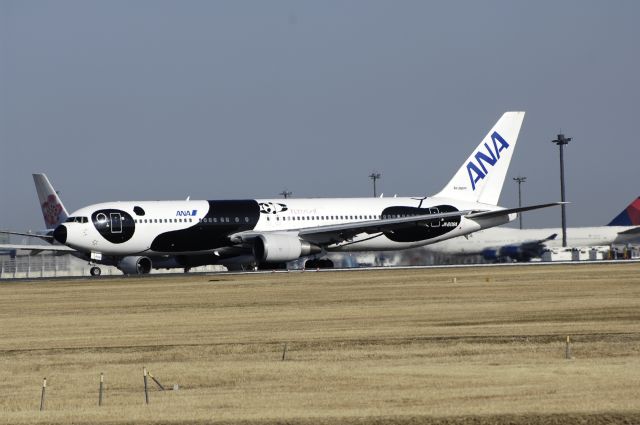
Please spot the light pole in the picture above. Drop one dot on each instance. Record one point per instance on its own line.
(285, 193)
(520, 180)
(561, 141)
(374, 176)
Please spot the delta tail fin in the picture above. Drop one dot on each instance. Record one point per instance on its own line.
(53, 210)
(481, 176)
(630, 216)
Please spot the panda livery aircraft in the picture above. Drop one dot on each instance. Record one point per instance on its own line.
(141, 235)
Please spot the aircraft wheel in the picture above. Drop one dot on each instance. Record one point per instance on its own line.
(95, 271)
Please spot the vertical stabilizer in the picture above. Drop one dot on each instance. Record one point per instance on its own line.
(53, 210)
(481, 176)
(630, 216)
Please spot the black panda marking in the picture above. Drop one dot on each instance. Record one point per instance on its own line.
(206, 234)
(414, 232)
(116, 226)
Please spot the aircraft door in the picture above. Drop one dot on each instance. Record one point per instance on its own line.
(434, 223)
(116, 222)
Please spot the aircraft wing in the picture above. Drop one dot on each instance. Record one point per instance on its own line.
(339, 232)
(36, 249)
(47, 237)
(336, 233)
(498, 213)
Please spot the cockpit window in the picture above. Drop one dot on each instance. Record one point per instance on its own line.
(138, 211)
(77, 220)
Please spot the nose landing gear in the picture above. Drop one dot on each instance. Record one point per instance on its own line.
(95, 271)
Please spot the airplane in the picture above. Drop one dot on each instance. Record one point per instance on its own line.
(506, 244)
(137, 236)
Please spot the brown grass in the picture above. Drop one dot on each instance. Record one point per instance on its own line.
(376, 347)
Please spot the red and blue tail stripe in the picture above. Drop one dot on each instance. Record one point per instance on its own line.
(629, 217)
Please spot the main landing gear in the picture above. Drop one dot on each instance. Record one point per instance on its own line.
(95, 271)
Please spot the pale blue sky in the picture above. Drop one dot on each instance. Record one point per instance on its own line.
(122, 100)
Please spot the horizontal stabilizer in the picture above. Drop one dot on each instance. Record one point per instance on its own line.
(634, 231)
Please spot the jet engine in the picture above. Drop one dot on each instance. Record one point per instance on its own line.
(278, 248)
(134, 265)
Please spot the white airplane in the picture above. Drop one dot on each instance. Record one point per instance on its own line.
(137, 236)
(505, 244)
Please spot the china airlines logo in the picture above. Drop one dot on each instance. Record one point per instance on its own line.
(51, 210)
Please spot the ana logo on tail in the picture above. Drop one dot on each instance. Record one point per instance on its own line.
(477, 170)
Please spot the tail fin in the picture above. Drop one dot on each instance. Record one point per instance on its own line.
(53, 211)
(482, 175)
(630, 216)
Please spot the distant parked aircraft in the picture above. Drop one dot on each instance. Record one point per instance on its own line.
(504, 244)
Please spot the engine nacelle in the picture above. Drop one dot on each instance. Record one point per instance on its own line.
(135, 265)
(280, 247)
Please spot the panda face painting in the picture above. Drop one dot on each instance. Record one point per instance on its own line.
(272, 208)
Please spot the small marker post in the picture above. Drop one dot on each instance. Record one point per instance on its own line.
(284, 351)
(100, 391)
(156, 381)
(44, 388)
(567, 352)
(146, 389)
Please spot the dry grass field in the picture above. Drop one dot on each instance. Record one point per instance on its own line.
(388, 346)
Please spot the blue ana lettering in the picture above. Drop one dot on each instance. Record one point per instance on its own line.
(186, 213)
(477, 170)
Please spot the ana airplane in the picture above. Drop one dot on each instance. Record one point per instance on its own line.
(140, 235)
(505, 244)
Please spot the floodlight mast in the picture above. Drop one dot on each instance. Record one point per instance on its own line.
(561, 141)
(520, 180)
(285, 193)
(374, 176)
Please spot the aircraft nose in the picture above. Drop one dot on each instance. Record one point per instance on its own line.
(60, 234)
